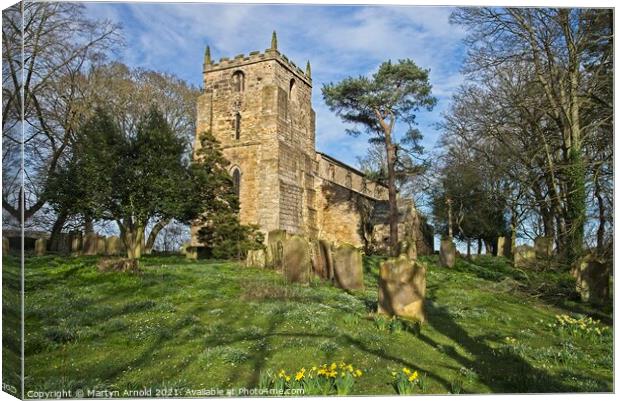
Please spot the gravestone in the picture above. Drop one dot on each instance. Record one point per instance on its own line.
(402, 287)
(543, 247)
(191, 252)
(90, 244)
(101, 245)
(409, 249)
(348, 267)
(275, 240)
(40, 246)
(296, 263)
(447, 253)
(113, 246)
(255, 258)
(76, 244)
(322, 260)
(5, 246)
(592, 275)
(523, 255)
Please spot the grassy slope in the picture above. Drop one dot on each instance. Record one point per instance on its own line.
(11, 329)
(200, 324)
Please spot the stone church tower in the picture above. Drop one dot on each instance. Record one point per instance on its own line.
(259, 108)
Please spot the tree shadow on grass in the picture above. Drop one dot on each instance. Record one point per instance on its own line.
(559, 294)
(500, 370)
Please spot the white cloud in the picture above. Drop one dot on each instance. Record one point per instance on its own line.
(338, 40)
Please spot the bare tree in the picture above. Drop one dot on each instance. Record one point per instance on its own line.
(59, 42)
(537, 76)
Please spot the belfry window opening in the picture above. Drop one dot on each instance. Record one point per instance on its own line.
(238, 81)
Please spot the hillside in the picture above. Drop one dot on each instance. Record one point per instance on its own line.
(194, 325)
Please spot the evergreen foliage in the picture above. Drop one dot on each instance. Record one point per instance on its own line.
(221, 232)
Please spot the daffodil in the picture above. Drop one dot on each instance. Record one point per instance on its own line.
(406, 371)
(358, 372)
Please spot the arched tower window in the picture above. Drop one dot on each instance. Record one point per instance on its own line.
(236, 176)
(349, 180)
(238, 81)
(332, 172)
(237, 126)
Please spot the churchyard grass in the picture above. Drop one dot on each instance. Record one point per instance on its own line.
(191, 325)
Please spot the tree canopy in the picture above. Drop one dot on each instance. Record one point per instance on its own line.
(374, 105)
(127, 179)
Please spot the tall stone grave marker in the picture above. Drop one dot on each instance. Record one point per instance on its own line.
(447, 253)
(275, 243)
(322, 260)
(402, 288)
(40, 246)
(592, 276)
(348, 267)
(296, 263)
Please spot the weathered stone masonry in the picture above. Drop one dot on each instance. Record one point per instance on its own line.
(259, 108)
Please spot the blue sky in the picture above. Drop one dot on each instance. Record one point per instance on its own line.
(339, 41)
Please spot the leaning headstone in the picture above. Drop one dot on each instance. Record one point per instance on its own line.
(40, 246)
(255, 258)
(322, 259)
(447, 253)
(113, 246)
(409, 249)
(402, 287)
(275, 241)
(348, 267)
(523, 255)
(101, 244)
(90, 244)
(543, 247)
(5, 246)
(592, 276)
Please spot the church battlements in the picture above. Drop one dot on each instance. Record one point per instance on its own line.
(257, 56)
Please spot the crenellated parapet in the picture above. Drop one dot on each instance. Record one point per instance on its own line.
(256, 57)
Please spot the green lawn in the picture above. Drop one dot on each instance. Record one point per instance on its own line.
(219, 325)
